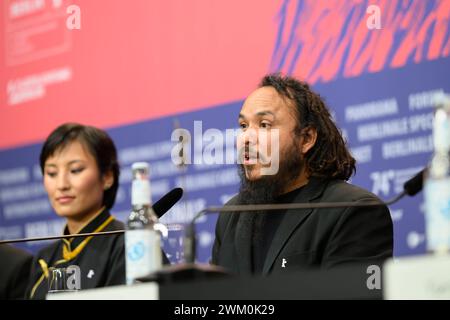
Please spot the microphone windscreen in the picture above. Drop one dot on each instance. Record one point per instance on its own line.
(163, 205)
(415, 184)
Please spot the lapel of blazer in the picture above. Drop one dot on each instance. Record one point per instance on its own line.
(292, 219)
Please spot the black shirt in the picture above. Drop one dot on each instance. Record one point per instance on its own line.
(269, 222)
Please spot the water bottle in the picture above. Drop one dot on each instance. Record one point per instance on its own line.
(437, 182)
(142, 238)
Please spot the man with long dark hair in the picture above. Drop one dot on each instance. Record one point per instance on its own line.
(313, 166)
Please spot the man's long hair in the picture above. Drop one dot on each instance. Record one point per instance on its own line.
(329, 157)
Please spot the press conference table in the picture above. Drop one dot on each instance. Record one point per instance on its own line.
(421, 277)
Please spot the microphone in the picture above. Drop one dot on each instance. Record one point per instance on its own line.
(411, 187)
(167, 201)
(160, 207)
(415, 184)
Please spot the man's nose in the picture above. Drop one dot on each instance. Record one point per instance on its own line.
(249, 137)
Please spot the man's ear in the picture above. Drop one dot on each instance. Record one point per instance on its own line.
(308, 139)
(108, 180)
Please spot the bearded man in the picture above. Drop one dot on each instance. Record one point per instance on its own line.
(313, 165)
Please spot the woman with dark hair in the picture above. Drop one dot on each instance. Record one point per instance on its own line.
(81, 176)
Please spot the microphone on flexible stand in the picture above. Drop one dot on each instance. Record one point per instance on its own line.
(160, 207)
(190, 270)
(410, 188)
(414, 185)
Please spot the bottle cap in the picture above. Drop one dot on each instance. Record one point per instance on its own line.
(140, 185)
(140, 166)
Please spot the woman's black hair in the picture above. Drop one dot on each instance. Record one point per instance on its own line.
(98, 143)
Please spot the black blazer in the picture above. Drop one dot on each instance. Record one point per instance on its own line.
(101, 260)
(14, 272)
(312, 238)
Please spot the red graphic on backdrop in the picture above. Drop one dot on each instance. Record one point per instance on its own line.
(323, 40)
(139, 60)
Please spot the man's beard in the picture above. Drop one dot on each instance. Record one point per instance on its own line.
(266, 189)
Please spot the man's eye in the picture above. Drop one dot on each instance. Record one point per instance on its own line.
(265, 125)
(243, 125)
